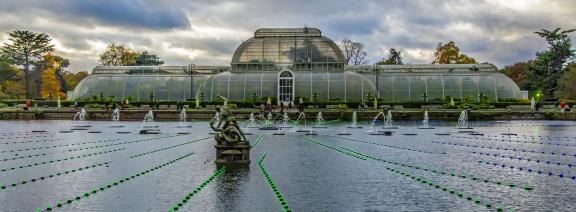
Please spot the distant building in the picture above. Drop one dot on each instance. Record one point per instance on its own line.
(286, 64)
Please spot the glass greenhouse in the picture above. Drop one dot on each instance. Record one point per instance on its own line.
(292, 63)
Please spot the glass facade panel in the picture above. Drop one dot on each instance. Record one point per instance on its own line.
(386, 85)
(469, 88)
(303, 84)
(353, 86)
(418, 86)
(452, 86)
(434, 86)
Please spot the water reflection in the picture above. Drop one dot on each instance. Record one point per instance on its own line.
(228, 193)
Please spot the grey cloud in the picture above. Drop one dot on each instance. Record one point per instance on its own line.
(124, 13)
(136, 13)
(402, 24)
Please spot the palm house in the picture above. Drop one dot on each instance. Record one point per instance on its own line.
(287, 64)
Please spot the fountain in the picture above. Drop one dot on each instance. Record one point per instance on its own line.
(268, 123)
(388, 123)
(149, 129)
(149, 117)
(319, 121)
(374, 122)
(80, 115)
(116, 115)
(533, 104)
(183, 115)
(285, 121)
(509, 133)
(425, 122)
(302, 128)
(463, 121)
(354, 123)
(387, 119)
(252, 121)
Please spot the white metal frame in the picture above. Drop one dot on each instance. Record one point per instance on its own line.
(293, 93)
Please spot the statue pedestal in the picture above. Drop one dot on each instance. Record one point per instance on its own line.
(233, 154)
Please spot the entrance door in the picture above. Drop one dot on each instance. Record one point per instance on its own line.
(285, 87)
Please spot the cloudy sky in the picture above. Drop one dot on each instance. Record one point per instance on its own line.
(207, 32)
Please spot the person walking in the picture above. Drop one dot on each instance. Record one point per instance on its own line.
(300, 105)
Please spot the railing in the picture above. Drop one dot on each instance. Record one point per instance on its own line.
(157, 69)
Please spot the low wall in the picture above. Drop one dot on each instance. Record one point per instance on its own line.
(172, 115)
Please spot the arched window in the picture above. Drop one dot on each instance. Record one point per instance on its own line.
(285, 87)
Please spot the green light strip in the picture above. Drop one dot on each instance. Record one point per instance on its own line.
(335, 121)
(34, 141)
(60, 160)
(384, 145)
(27, 156)
(59, 204)
(122, 143)
(56, 146)
(167, 148)
(2, 187)
(182, 202)
(447, 173)
(422, 180)
(258, 140)
(333, 148)
(468, 197)
(273, 185)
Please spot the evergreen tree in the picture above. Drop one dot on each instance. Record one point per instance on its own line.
(549, 65)
(25, 49)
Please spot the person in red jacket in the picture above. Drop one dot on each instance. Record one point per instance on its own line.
(27, 105)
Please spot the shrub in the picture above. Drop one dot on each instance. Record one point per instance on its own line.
(342, 106)
(94, 106)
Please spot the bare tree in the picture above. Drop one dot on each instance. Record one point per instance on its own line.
(353, 52)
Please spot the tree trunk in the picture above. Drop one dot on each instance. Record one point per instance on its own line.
(26, 77)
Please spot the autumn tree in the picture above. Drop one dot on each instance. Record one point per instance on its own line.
(549, 65)
(25, 48)
(51, 86)
(118, 55)
(449, 53)
(520, 73)
(353, 52)
(394, 58)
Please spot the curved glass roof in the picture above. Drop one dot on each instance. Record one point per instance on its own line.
(333, 86)
(270, 48)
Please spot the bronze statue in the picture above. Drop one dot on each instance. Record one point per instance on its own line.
(230, 132)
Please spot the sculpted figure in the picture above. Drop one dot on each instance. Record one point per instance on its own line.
(228, 129)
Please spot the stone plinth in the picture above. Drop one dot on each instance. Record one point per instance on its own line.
(233, 154)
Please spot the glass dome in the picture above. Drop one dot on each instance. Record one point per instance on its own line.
(296, 48)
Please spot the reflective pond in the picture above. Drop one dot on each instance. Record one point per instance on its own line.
(109, 166)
